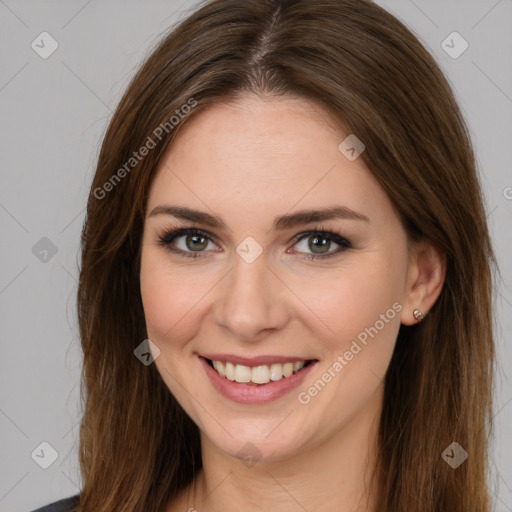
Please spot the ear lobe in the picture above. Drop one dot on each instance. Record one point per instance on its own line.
(425, 279)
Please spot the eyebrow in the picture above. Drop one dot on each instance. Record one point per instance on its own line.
(280, 223)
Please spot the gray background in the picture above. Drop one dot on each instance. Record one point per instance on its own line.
(54, 113)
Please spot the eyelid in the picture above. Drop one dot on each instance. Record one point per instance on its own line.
(167, 236)
(332, 235)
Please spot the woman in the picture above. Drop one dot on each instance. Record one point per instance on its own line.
(285, 291)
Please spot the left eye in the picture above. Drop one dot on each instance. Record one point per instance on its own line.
(320, 242)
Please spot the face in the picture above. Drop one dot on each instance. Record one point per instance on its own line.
(303, 313)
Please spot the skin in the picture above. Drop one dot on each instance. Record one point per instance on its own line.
(248, 161)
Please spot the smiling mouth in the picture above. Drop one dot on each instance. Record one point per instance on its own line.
(258, 375)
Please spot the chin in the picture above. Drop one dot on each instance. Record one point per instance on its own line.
(256, 441)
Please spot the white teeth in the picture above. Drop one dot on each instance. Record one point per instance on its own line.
(242, 373)
(230, 371)
(287, 369)
(262, 374)
(276, 371)
(298, 365)
(219, 366)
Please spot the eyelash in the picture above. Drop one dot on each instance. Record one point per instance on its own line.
(168, 236)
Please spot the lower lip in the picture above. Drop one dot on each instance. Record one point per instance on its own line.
(255, 393)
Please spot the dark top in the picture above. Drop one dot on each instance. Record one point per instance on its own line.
(65, 505)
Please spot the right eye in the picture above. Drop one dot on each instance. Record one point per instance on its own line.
(194, 241)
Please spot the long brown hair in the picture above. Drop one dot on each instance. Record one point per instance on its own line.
(138, 448)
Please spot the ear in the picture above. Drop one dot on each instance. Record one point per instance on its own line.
(425, 278)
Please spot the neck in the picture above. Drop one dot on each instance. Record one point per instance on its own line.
(327, 476)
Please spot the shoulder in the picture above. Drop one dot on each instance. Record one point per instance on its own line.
(64, 505)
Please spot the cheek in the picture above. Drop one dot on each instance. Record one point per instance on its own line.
(354, 298)
(170, 301)
(361, 307)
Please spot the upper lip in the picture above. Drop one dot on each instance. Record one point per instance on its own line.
(254, 361)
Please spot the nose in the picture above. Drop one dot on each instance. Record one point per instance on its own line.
(252, 301)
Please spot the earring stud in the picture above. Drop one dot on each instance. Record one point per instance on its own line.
(418, 315)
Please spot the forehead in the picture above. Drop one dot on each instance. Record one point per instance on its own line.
(254, 157)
